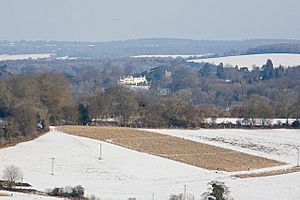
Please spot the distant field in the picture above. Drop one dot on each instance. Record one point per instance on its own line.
(174, 148)
(24, 56)
(173, 56)
(255, 59)
(275, 144)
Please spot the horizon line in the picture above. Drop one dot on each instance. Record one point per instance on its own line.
(150, 38)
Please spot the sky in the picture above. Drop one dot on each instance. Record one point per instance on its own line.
(106, 20)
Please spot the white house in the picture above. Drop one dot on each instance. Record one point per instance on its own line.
(133, 80)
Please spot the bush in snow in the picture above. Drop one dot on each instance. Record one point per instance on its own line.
(181, 197)
(74, 192)
(92, 197)
(176, 197)
(217, 191)
(296, 124)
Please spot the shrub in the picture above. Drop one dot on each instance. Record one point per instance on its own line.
(296, 124)
(74, 192)
(92, 197)
(54, 192)
(176, 197)
(77, 191)
(218, 191)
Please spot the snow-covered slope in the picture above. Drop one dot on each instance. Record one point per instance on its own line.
(22, 196)
(255, 59)
(121, 174)
(125, 173)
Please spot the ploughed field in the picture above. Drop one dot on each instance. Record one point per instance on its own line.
(174, 148)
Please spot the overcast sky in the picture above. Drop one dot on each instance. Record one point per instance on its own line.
(103, 20)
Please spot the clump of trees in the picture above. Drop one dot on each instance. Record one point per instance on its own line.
(222, 86)
(131, 109)
(217, 191)
(68, 192)
(30, 102)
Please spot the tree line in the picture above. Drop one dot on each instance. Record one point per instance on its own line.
(194, 92)
(229, 87)
(132, 109)
(199, 83)
(30, 102)
(33, 102)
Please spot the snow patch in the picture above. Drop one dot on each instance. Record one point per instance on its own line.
(173, 56)
(24, 56)
(254, 60)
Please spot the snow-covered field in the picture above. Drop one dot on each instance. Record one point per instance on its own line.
(24, 56)
(255, 59)
(172, 56)
(277, 144)
(22, 196)
(67, 58)
(124, 173)
(256, 121)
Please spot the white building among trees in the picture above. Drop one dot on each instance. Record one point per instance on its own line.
(133, 80)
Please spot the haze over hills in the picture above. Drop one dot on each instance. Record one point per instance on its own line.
(276, 48)
(148, 46)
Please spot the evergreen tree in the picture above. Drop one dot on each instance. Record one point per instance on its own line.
(83, 114)
(267, 70)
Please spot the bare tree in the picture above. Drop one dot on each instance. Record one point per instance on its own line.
(12, 173)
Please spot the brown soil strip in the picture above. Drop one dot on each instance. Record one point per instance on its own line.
(174, 148)
(2, 194)
(270, 173)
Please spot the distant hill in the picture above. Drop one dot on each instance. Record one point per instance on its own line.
(134, 47)
(276, 48)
